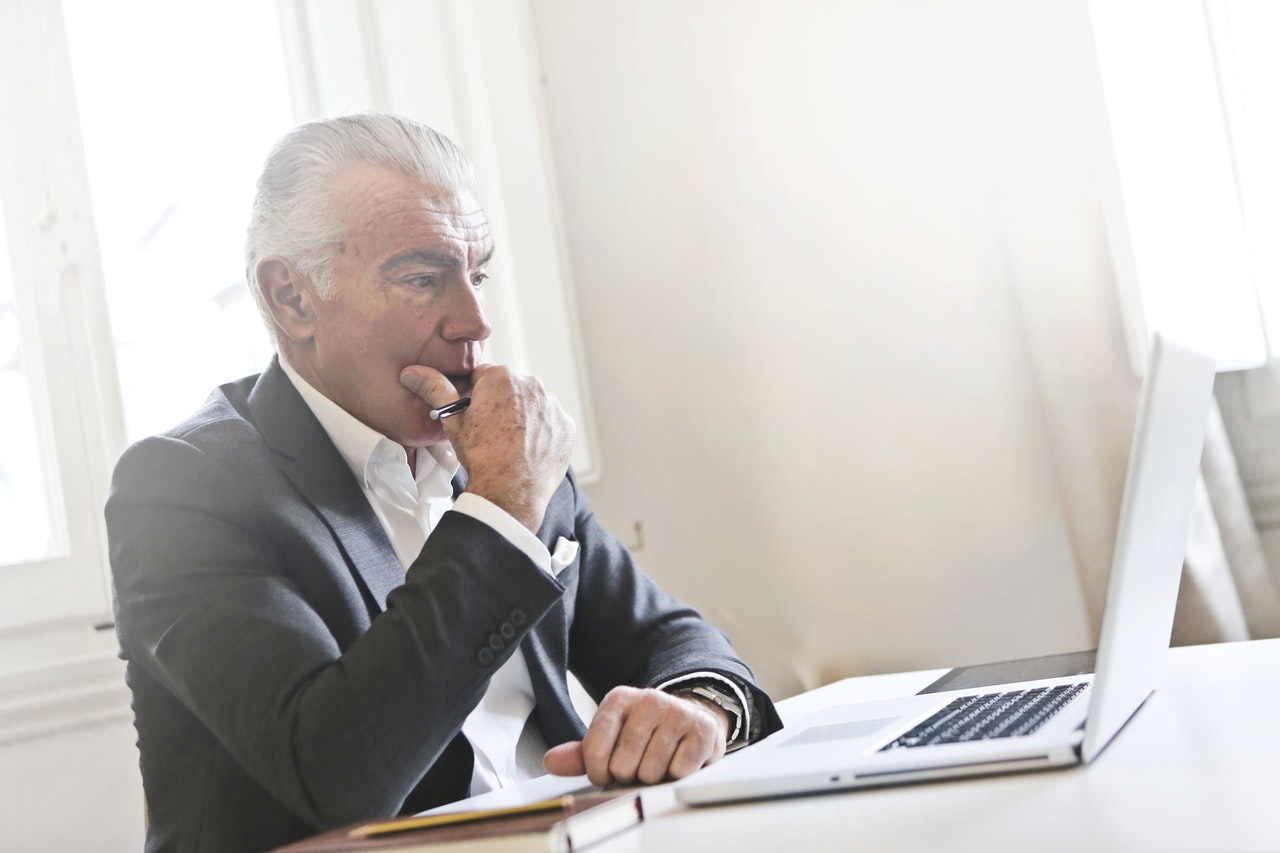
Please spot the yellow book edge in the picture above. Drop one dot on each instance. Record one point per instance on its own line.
(404, 824)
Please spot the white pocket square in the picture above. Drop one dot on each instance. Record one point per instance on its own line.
(565, 553)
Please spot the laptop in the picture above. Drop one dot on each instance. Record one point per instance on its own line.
(1028, 725)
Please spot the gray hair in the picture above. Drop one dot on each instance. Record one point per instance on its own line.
(294, 213)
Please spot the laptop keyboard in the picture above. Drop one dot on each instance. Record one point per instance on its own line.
(990, 715)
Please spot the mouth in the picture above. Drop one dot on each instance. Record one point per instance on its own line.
(461, 381)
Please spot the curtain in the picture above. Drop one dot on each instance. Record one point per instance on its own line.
(1228, 589)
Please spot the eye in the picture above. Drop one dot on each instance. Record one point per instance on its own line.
(423, 282)
(479, 279)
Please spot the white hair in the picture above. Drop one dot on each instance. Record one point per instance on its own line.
(295, 215)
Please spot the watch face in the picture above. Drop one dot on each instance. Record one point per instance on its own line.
(726, 703)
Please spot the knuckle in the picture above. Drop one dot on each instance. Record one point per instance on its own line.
(623, 693)
(680, 768)
(436, 393)
(651, 775)
(594, 750)
(614, 702)
(621, 771)
(650, 701)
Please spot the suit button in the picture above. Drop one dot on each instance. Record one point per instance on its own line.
(507, 630)
(495, 642)
(485, 657)
(519, 617)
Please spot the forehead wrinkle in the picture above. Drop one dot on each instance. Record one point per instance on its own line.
(428, 214)
(375, 194)
(421, 257)
(430, 258)
(434, 226)
(387, 195)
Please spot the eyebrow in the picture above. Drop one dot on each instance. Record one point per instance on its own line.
(429, 258)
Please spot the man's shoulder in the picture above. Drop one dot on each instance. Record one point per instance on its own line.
(247, 403)
(228, 423)
(225, 409)
(225, 441)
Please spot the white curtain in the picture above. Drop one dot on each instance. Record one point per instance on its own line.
(1229, 591)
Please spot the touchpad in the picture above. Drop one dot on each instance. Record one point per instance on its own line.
(840, 731)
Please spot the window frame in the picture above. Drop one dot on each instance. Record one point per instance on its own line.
(59, 290)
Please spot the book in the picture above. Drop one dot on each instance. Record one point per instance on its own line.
(564, 824)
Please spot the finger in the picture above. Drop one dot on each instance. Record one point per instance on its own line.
(659, 753)
(693, 753)
(565, 759)
(650, 714)
(429, 384)
(602, 735)
(688, 735)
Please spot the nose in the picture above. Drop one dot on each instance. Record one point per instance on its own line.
(465, 318)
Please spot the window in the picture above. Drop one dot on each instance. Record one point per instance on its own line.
(1245, 34)
(172, 158)
(173, 135)
(58, 374)
(1179, 248)
(28, 472)
(132, 134)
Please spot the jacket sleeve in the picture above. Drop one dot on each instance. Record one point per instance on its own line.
(626, 630)
(221, 601)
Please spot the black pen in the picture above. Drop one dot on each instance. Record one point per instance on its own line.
(449, 410)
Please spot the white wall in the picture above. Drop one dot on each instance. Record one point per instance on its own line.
(851, 330)
(78, 790)
(848, 317)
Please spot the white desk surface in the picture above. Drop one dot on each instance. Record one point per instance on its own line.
(1196, 769)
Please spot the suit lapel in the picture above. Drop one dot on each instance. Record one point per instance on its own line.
(321, 476)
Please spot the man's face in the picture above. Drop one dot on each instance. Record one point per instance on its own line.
(407, 274)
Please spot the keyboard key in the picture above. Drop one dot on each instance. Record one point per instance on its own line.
(990, 715)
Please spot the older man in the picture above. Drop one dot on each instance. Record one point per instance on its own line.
(335, 606)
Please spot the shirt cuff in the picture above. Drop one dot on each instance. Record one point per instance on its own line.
(484, 510)
(742, 736)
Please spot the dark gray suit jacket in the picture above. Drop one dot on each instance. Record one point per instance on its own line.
(288, 676)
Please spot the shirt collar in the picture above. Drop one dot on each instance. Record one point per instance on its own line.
(360, 444)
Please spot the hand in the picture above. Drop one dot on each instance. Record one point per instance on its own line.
(643, 735)
(514, 440)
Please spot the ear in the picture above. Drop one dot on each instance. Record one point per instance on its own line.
(289, 297)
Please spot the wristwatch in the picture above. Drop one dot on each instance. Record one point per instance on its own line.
(722, 699)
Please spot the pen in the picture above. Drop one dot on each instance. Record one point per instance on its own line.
(449, 410)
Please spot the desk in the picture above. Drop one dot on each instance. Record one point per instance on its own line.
(1196, 769)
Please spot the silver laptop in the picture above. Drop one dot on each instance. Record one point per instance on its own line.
(1027, 725)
